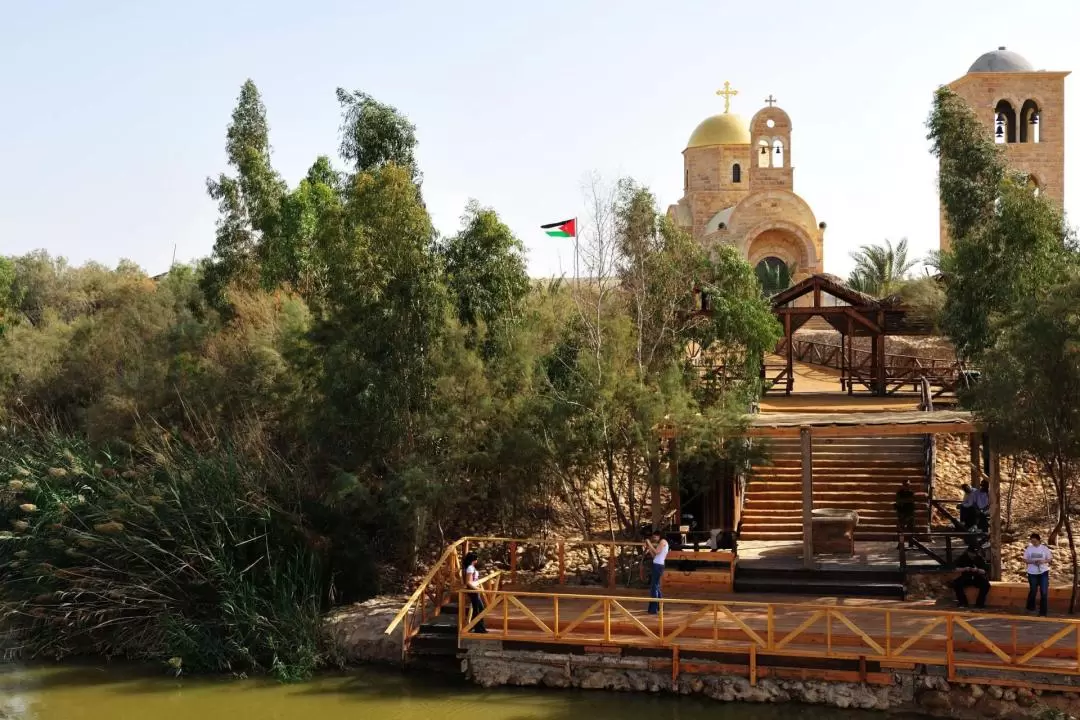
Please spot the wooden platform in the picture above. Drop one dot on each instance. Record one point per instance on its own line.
(887, 633)
(837, 402)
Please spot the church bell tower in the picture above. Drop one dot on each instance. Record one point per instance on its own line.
(1023, 109)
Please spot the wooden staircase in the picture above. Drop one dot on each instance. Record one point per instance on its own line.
(859, 473)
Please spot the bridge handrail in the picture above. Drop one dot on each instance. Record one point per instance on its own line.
(449, 558)
(935, 637)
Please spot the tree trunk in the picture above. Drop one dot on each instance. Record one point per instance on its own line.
(654, 480)
(1075, 565)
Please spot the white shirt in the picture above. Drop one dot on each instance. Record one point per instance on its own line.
(1037, 558)
(661, 553)
(471, 576)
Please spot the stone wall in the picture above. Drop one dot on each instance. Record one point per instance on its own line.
(910, 692)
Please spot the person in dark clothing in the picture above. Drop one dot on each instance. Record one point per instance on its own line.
(905, 511)
(974, 573)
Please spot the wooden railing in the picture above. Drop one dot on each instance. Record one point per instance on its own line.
(949, 546)
(954, 641)
(443, 580)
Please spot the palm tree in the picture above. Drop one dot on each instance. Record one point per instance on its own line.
(880, 269)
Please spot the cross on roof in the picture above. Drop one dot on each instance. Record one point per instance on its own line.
(770, 100)
(727, 94)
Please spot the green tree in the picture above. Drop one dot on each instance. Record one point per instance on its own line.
(1007, 243)
(249, 202)
(374, 134)
(290, 255)
(1010, 276)
(1029, 393)
(880, 269)
(485, 269)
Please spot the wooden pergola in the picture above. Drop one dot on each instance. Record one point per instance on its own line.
(852, 314)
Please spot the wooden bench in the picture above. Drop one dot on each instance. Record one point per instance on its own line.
(1013, 596)
(701, 571)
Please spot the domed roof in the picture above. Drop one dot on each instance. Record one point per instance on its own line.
(722, 129)
(1001, 60)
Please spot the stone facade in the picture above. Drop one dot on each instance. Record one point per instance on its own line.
(1023, 90)
(739, 190)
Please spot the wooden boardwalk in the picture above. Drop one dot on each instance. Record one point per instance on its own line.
(888, 634)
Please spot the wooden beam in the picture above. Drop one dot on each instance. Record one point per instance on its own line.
(995, 513)
(838, 431)
(807, 496)
(976, 461)
(790, 350)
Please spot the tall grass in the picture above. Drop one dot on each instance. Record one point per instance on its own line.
(193, 557)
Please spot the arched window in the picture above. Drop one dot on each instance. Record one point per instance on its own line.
(1004, 122)
(686, 180)
(763, 154)
(1029, 122)
(778, 153)
(736, 173)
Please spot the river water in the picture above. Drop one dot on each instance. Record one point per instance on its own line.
(116, 693)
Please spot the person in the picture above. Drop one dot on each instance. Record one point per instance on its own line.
(658, 549)
(471, 577)
(968, 514)
(905, 511)
(981, 499)
(1037, 558)
(973, 574)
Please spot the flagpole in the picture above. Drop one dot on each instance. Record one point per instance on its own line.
(576, 233)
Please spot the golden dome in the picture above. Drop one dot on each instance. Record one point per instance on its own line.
(722, 129)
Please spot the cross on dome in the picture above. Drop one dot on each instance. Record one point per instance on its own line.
(770, 101)
(727, 94)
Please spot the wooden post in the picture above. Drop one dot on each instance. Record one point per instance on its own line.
(562, 563)
(976, 461)
(807, 497)
(753, 664)
(995, 512)
(675, 667)
(513, 562)
(790, 350)
(611, 566)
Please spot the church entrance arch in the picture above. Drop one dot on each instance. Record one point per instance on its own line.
(784, 245)
(774, 274)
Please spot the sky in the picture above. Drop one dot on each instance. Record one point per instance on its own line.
(113, 113)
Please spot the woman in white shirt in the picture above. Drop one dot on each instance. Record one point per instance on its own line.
(1037, 559)
(658, 548)
(471, 577)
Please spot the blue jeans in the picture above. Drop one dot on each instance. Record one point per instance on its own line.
(654, 587)
(1040, 583)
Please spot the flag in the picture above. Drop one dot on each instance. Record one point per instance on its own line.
(563, 228)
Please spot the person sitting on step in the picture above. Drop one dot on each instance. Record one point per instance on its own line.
(974, 573)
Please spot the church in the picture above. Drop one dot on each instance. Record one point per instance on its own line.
(738, 177)
(738, 189)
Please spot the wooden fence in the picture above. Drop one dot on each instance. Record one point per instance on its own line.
(890, 636)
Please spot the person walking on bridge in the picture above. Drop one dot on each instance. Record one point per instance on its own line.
(658, 549)
(471, 577)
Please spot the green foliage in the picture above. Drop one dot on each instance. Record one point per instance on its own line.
(1008, 244)
(880, 270)
(485, 269)
(773, 276)
(183, 554)
(374, 134)
(248, 202)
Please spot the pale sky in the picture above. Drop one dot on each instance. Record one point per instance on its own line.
(112, 114)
